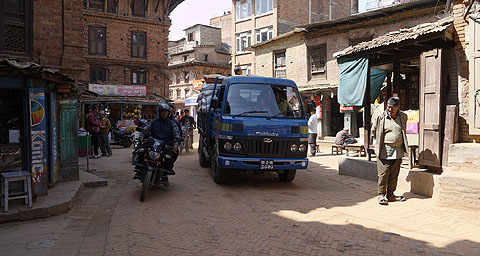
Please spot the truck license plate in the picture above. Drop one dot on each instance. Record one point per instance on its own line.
(266, 164)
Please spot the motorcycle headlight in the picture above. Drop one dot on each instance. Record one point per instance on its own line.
(294, 147)
(227, 146)
(302, 148)
(153, 155)
(237, 146)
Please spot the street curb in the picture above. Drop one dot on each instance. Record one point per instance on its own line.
(60, 199)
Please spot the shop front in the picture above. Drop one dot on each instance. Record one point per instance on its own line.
(30, 127)
(419, 76)
(121, 104)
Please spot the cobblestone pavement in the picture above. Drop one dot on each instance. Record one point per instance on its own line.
(320, 213)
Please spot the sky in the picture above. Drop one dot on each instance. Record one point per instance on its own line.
(191, 12)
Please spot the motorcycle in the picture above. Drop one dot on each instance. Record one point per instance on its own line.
(124, 138)
(149, 158)
(187, 140)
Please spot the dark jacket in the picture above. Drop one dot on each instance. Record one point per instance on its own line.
(377, 130)
(91, 123)
(166, 130)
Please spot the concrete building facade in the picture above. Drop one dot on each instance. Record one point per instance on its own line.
(200, 53)
(224, 22)
(256, 21)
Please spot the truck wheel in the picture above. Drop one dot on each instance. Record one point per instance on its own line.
(287, 175)
(201, 156)
(219, 174)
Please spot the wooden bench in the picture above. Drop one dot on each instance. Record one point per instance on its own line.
(356, 148)
(337, 149)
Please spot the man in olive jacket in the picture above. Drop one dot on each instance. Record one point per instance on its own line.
(391, 144)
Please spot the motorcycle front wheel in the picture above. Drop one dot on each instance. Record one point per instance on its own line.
(145, 185)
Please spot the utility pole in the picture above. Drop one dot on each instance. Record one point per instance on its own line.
(330, 10)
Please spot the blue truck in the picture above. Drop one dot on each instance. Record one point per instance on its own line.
(251, 123)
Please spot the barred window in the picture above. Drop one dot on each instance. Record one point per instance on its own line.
(16, 27)
(318, 60)
(139, 76)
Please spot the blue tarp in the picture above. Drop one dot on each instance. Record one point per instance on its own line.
(353, 81)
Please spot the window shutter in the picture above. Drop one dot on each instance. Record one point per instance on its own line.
(474, 80)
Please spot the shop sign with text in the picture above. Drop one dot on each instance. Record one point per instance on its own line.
(118, 90)
(38, 138)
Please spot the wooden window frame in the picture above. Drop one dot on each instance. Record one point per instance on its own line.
(138, 71)
(135, 51)
(21, 19)
(94, 73)
(109, 6)
(279, 67)
(134, 13)
(315, 65)
(96, 29)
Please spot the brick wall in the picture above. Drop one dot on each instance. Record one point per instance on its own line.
(118, 60)
(225, 24)
(461, 47)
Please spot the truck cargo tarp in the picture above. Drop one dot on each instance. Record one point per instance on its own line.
(353, 81)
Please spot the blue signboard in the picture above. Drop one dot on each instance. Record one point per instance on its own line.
(53, 166)
(38, 138)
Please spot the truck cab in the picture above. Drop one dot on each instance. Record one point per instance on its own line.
(252, 123)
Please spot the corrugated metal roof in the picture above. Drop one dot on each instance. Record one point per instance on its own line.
(397, 36)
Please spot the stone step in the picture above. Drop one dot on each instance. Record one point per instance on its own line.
(418, 181)
(458, 190)
(464, 157)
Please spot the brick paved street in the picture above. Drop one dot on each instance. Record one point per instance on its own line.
(320, 213)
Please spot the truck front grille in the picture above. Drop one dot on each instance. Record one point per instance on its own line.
(258, 148)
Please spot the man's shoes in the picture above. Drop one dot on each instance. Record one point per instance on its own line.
(109, 155)
(311, 155)
(394, 198)
(98, 156)
(104, 154)
(382, 200)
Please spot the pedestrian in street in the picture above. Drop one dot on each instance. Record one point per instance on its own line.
(389, 130)
(312, 132)
(103, 134)
(93, 127)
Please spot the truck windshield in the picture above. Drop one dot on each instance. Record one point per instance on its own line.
(263, 100)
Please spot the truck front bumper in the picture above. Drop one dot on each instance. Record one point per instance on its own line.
(254, 163)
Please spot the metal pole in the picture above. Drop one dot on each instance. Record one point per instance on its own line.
(330, 10)
(309, 11)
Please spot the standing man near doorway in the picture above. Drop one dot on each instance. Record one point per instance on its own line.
(389, 130)
(93, 126)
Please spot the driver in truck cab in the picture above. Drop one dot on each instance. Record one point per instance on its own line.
(283, 105)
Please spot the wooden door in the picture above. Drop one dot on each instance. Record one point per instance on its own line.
(430, 140)
(474, 81)
(68, 139)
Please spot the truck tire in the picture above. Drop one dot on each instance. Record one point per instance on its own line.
(201, 156)
(287, 175)
(219, 174)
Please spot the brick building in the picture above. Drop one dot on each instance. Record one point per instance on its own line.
(429, 61)
(124, 48)
(255, 21)
(200, 53)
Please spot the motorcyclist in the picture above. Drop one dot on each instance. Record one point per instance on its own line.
(189, 122)
(165, 129)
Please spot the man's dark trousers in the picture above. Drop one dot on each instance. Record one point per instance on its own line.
(388, 171)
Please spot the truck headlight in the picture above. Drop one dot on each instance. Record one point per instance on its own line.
(294, 147)
(237, 146)
(153, 155)
(302, 148)
(227, 146)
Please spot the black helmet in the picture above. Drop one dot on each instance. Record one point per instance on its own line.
(163, 106)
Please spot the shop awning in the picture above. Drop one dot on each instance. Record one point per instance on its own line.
(405, 43)
(353, 81)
